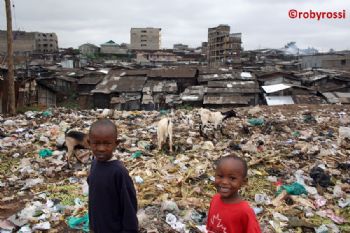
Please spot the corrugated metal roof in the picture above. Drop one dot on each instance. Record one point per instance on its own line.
(180, 72)
(232, 90)
(342, 94)
(118, 100)
(337, 97)
(316, 77)
(163, 86)
(307, 99)
(138, 72)
(68, 79)
(193, 93)
(232, 87)
(130, 84)
(125, 98)
(279, 100)
(173, 99)
(90, 80)
(233, 84)
(227, 99)
(331, 97)
(246, 75)
(275, 87)
(117, 81)
(212, 77)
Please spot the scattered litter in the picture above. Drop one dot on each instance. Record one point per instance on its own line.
(302, 157)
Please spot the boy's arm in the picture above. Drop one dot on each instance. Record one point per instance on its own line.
(128, 201)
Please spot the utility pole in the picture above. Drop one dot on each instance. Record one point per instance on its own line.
(11, 106)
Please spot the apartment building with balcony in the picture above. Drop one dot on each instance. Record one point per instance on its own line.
(224, 48)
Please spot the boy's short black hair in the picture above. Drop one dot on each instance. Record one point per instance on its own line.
(234, 157)
(103, 122)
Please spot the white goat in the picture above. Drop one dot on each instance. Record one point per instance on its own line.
(106, 113)
(164, 131)
(210, 117)
(214, 117)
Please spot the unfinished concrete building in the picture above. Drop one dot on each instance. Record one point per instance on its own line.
(145, 38)
(30, 42)
(224, 48)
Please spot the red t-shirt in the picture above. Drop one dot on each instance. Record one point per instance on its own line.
(231, 218)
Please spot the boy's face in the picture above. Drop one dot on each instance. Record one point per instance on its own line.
(103, 141)
(229, 178)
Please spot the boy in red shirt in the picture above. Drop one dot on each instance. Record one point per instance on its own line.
(228, 212)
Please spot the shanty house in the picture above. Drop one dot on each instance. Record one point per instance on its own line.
(46, 95)
(272, 78)
(282, 94)
(85, 86)
(120, 91)
(234, 92)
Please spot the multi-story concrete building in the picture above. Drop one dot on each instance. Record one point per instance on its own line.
(145, 38)
(224, 48)
(110, 47)
(89, 49)
(180, 48)
(30, 42)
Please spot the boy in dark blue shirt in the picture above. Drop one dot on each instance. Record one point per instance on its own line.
(112, 196)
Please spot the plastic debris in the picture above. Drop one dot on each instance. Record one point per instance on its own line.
(262, 199)
(293, 189)
(7, 225)
(320, 201)
(258, 210)
(330, 214)
(42, 226)
(137, 154)
(138, 180)
(176, 225)
(47, 113)
(344, 202)
(169, 206)
(256, 121)
(43, 153)
(79, 223)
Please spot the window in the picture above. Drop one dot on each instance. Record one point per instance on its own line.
(143, 36)
(343, 62)
(144, 31)
(143, 40)
(143, 45)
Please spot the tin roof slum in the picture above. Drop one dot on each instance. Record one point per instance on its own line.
(292, 127)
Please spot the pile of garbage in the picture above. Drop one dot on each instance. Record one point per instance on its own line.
(298, 156)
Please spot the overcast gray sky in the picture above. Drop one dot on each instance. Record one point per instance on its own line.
(263, 23)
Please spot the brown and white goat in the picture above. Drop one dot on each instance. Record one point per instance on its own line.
(75, 140)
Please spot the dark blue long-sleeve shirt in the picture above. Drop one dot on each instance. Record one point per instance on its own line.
(112, 199)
